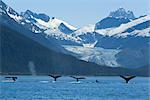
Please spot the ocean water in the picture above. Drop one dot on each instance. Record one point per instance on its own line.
(66, 88)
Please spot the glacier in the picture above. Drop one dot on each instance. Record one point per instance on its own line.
(97, 55)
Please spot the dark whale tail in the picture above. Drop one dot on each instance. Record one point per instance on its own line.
(13, 78)
(97, 81)
(77, 78)
(54, 77)
(127, 78)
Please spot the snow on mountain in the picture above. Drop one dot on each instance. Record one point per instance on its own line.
(115, 19)
(9, 11)
(84, 30)
(122, 13)
(110, 22)
(46, 22)
(144, 32)
(123, 38)
(54, 23)
(97, 55)
(31, 15)
(139, 33)
(124, 27)
(40, 23)
(19, 19)
(53, 27)
(86, 36)
(15, 16)
(62, 37)
(13, 20)
(120, 31)
(90, 45)
(112, 43)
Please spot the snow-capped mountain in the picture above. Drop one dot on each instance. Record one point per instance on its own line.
(122, 13)
(30, 16)
(135, 28)
(84, 30)
(20, 46)
(19, 19)
(52, 27)
(115, 19)
(46, 22)
(110, 22)
(84, 33)
(43, 24)
(123, 37)
(119, 40)
(13, 20)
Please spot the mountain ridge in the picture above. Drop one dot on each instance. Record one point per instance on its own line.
(101, 40)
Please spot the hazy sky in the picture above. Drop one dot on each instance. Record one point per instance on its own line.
(79, 12)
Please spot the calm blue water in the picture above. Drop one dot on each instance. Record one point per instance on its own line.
(42, 88)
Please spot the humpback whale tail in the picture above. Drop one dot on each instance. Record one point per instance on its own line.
(127, 78)
(13, 78)
(77, 78)
(97, 81)
(54, 77)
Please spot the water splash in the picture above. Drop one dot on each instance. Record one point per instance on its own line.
(32, 67)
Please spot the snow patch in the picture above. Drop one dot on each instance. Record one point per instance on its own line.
(53, 23)
(119, 31)
(90, 45)
(84, 30)
(124, 27)
(15, 17)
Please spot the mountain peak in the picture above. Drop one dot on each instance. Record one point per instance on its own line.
(29, 14)
(122, 13)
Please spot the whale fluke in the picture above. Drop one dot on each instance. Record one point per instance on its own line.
(13, 78)
(77, 78)
(127, 78)
(55, 77)
(97, 81)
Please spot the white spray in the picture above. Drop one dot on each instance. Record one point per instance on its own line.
(32, 67)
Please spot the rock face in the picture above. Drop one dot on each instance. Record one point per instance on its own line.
(30, 16)
(110, 22)
(115, 19)
(122, 13)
